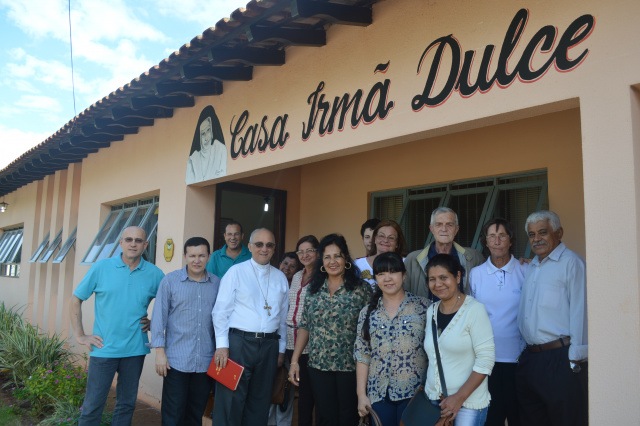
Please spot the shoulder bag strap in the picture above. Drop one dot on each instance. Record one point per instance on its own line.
(434, 333)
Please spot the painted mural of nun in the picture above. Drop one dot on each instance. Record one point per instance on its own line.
(208, 156)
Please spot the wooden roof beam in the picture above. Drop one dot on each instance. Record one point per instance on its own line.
(188, 72)
(207, 88)
(248, 55)
(118, 113)
(295, 37)
(336, 13)
(108, 130)
(104, 123)
(177, 101)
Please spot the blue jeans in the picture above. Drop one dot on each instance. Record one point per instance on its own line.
(99, 379)
(390, 412)
(468, 416)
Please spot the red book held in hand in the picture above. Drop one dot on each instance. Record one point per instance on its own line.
(228, 376)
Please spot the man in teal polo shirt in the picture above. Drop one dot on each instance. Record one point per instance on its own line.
(231, 254)
(123, 286)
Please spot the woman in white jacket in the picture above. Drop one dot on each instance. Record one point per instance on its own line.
(465, 341)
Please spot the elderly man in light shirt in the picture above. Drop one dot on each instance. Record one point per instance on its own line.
(551, 374)
(249, 319)
(182, 333)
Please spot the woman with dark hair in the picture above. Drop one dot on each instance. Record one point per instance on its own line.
(307, 251)
(387, 237)
(465, 343)
(497, 284)
(208, 155)
(329, 322)
(391, 362)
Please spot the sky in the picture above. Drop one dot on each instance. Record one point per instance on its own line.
(114, 41)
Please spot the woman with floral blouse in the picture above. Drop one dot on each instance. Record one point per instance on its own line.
(391, 361)
(329, 321)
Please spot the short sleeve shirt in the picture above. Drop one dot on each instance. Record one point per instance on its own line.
(122, 297)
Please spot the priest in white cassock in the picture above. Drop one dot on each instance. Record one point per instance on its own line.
(249, 321)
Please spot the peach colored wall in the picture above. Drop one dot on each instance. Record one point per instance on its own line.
(580, 125)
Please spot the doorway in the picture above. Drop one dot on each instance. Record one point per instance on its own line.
(253, 207)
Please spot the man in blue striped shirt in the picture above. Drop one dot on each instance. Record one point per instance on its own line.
(182, 334)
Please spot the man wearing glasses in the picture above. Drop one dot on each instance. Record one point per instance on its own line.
(444, 227)
(124, 286)
(232, 253)
(249, 321)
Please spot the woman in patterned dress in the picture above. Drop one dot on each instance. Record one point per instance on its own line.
(329, 321)
(391, 361)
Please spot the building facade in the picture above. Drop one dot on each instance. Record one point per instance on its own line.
(332, 113)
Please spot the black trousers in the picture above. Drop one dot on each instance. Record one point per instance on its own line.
(502, 387)
(306, 402)
(184, 398)
(249, 404)
(549, 392)
(336, 397)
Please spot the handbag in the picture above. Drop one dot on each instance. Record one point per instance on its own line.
(370, 419)
(280, 387)
(420, 411)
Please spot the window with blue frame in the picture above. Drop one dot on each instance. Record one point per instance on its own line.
(475, 201)
(142, 213)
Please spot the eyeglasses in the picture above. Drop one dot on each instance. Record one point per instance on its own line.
(232, 234)
(307, 251)
(390, 238)
(492, 238)
(260, 244)
(130, 240)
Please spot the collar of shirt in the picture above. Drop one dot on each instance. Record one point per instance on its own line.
(325, 288)
(433, 252)
(492, 269)
(244, 250)
(121, 264)
(554, 255)
(184, 276)
(404, 302)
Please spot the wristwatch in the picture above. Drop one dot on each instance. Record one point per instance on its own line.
(575, 366)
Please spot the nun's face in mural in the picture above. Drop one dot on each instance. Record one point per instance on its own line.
(206, 135)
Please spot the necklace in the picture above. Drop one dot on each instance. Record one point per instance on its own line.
(452, 309)
(266, 304)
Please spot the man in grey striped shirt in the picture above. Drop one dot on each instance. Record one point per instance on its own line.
(182, 334)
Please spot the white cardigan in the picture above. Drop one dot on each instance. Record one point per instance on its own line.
(466, 345)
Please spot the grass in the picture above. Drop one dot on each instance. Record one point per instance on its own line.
(8, 417)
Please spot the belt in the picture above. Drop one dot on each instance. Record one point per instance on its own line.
(554, 344)
(255, 334)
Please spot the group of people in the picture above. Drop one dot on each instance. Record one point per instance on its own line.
(355, 335)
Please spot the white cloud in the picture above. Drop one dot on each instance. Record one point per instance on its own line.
(15, 142)
(203, 12)
(37, 103)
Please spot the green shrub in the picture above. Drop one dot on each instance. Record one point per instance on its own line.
(52, 383)
(23, 349)
(9, 317)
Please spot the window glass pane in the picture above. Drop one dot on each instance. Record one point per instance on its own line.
(112, 238)
(65, 247)
(389, 207)
(469, 209)
(516, 205)
(43, 245)
(4, 242)
(139, 215)
(151, 222)
(52, 248)
(102, 235)
(417, 221)
(15, 255)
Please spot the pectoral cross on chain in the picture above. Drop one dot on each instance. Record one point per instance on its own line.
(267, 307)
